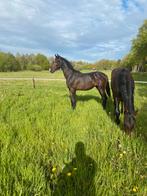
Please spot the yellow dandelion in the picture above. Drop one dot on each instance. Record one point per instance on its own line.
(141, 176)
(121, 155)
(136, 172)
(54, 169)
(119, 145)
(135, 189)
(124, 152)
(69, 174)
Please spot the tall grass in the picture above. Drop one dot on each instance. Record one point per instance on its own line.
(39, 132)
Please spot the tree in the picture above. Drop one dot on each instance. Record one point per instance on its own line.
(42, 61)
(138, 51)
(8, 62)
(23, 61)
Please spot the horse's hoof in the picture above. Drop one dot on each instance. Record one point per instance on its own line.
(117, 122)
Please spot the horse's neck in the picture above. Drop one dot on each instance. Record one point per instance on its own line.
(67, 71)
(129, 104)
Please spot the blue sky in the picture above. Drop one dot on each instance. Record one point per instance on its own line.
(76, 29)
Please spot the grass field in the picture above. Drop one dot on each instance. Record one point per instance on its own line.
(39, 133)
(59, 74)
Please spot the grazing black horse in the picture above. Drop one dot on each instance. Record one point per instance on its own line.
(122, 85)
(76, 80)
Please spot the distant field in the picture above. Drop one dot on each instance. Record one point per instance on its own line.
(39, 74)
(39, 129)
(59, 74)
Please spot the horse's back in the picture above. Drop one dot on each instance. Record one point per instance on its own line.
(121, 80)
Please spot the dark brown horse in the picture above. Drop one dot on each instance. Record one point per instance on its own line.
(76, 80)
(122, 85)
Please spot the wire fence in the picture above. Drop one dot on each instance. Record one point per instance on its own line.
(39, 83)
(51, 79)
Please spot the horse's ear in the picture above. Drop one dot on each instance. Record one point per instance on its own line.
(55, 55)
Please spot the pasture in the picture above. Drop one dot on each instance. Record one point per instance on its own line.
(39, 132)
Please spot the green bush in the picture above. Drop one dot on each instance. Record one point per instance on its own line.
(8, 62)
(34, 67)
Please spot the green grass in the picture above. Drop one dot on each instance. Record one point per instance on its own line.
(140, 76)
(30, 74)
(38, 129)
(46, 74)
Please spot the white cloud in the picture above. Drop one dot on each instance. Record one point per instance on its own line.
(77, 29)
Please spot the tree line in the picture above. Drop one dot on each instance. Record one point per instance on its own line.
(135, 60)
(39, 62)
(18, 62)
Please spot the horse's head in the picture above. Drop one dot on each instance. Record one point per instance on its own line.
(56, 64)
(129, 121)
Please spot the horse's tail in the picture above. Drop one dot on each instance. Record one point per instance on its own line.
(108, 88)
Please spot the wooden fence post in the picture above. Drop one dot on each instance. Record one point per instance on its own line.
(34, 82)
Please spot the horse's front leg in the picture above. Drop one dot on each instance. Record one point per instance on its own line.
(73, 97)
(117, 112)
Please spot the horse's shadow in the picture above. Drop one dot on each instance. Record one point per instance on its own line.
(84, 98)
(77, 177)
(110, 111)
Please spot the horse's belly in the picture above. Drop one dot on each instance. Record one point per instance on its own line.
(81, 83)
(85, 86)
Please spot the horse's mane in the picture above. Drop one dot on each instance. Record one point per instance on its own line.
(67, 63)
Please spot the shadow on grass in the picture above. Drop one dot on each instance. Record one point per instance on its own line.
(110, 109)
(84, 98)
(111, 113)
(77, 177)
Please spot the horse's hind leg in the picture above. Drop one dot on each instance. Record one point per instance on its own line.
(73, 97)
(104, 97)
(122, 107)
(117, 112)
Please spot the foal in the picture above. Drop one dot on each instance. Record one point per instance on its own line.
(76, 80)
(122, 85)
